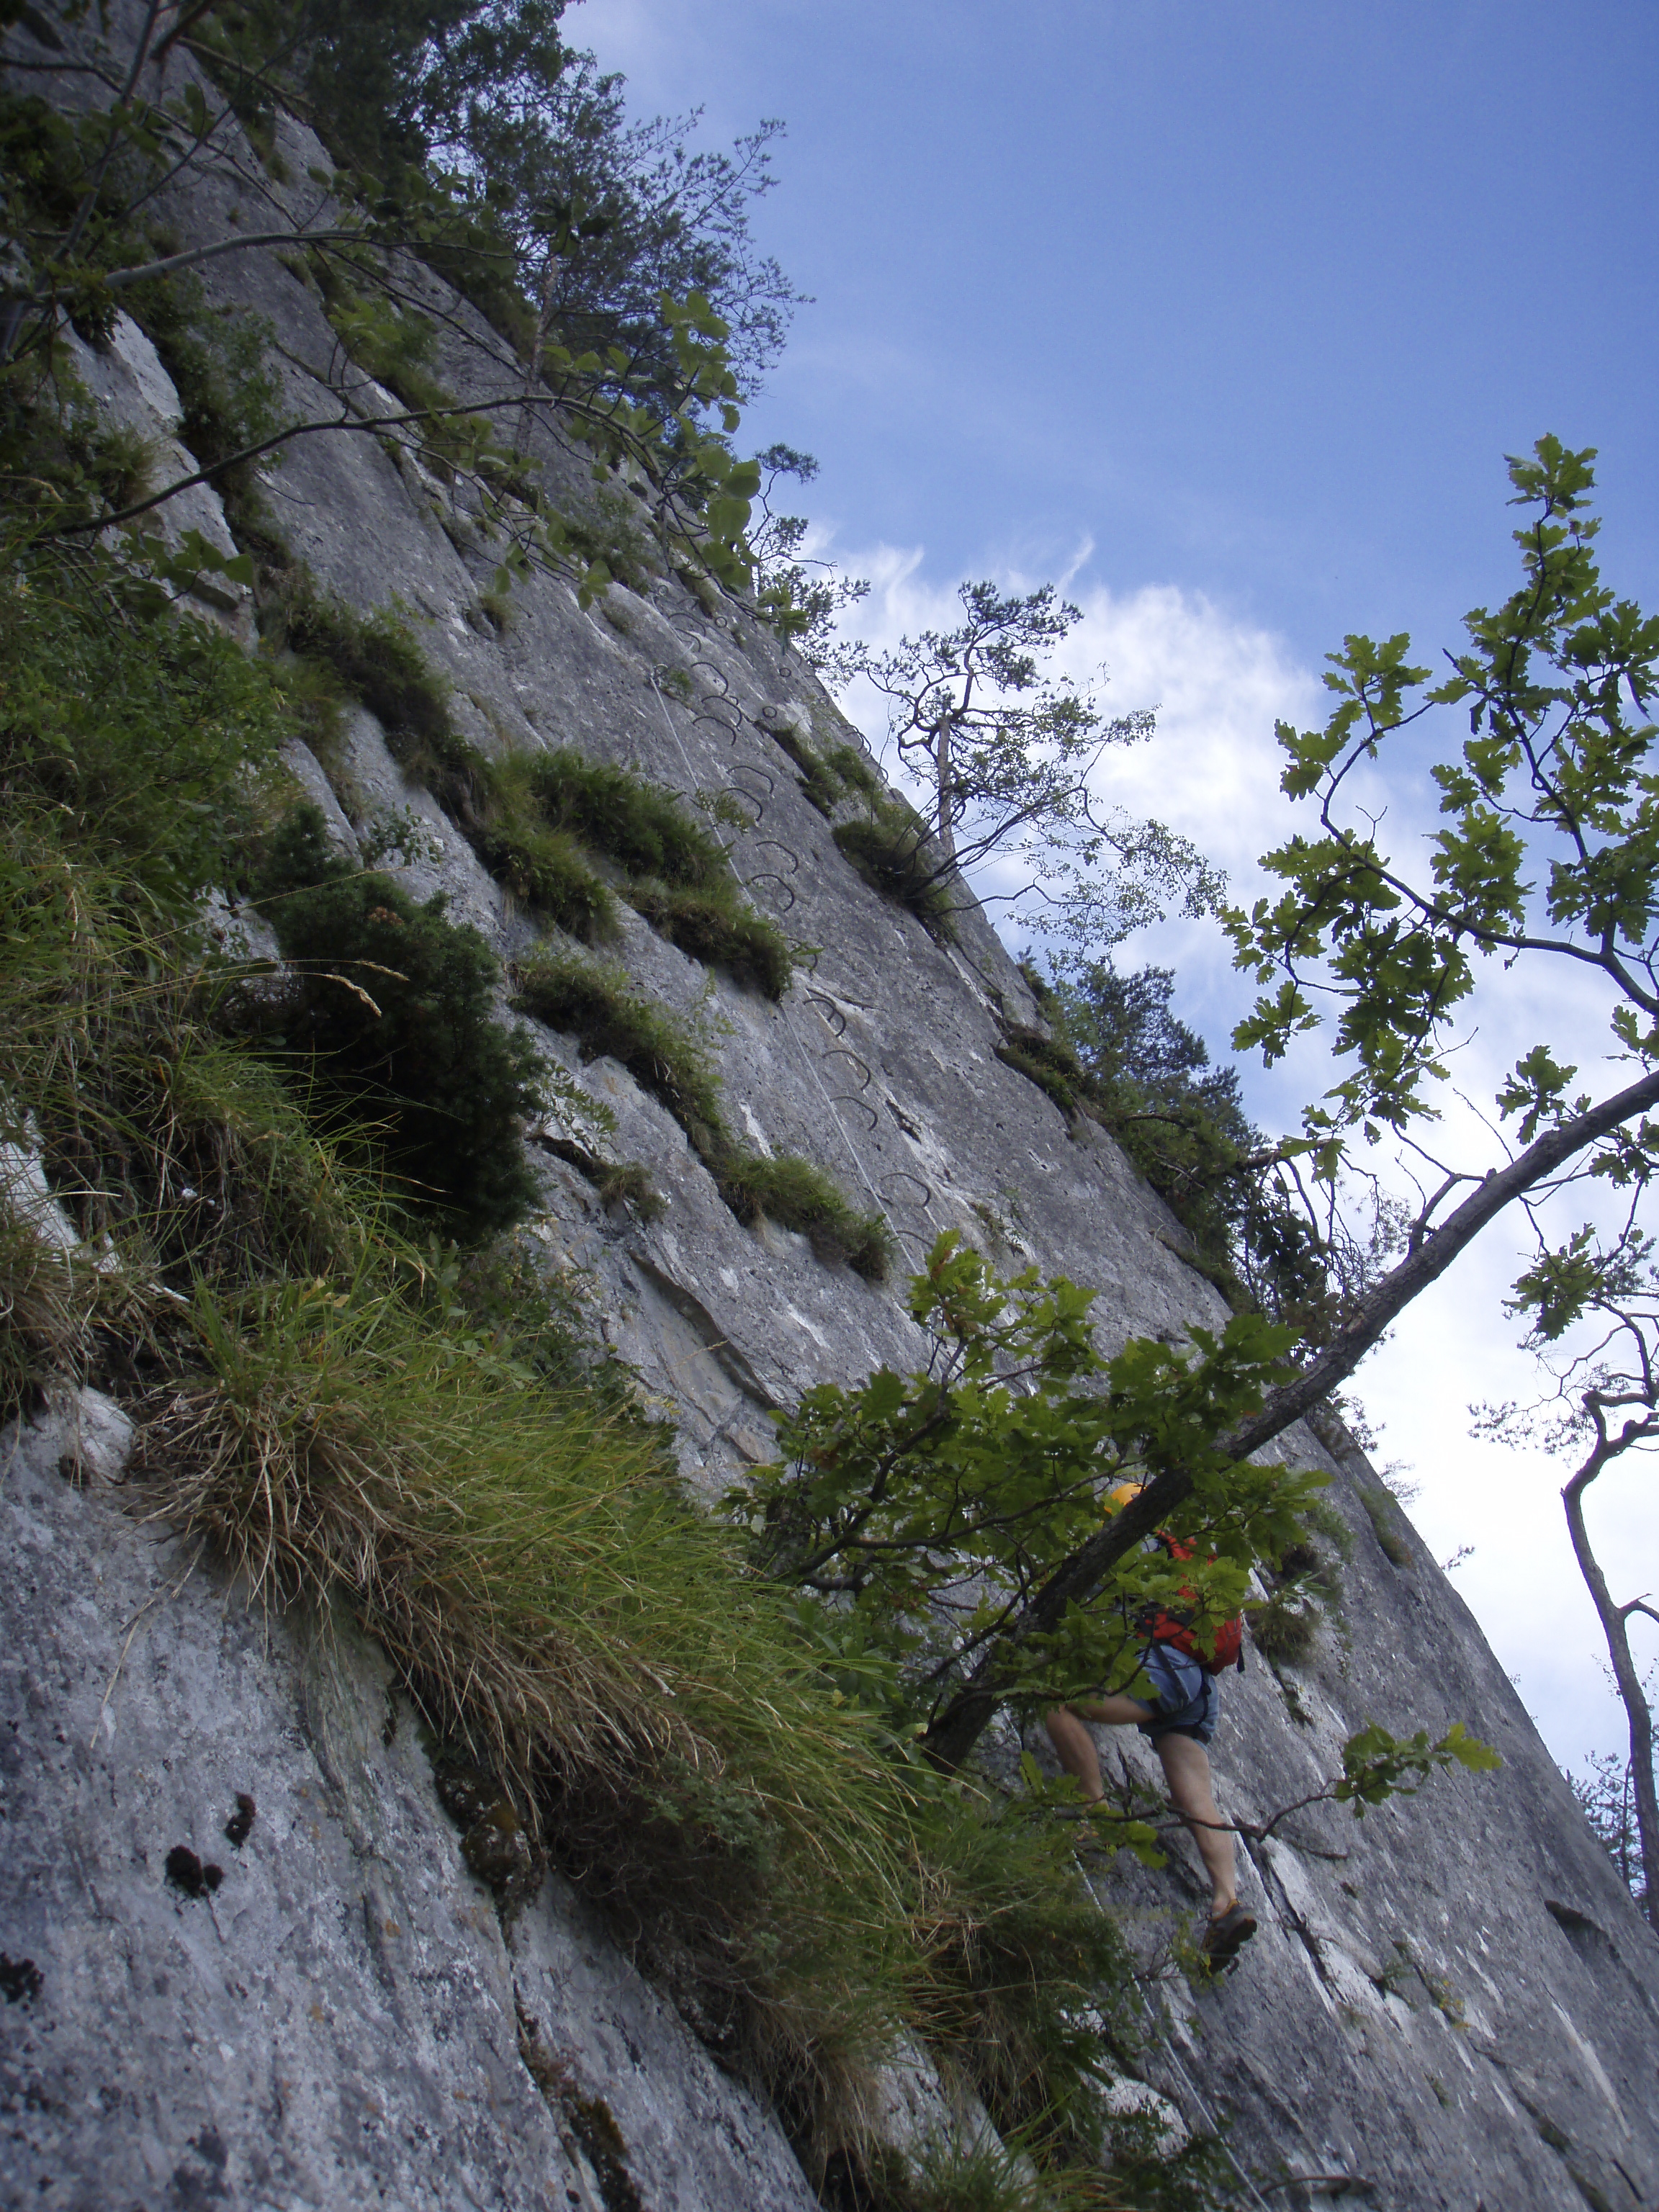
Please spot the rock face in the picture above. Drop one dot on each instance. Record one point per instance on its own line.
(246, 1962)
(1451, 2003)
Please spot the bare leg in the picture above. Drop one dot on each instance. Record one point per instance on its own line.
(1074, 1747)
(1187, 1770)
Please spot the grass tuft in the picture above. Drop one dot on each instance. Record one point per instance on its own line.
(376, 658)
(46, 1297)
(548, 871)
(325, 1454)
(1383, 1515)
(636, 824)
(592, 1002)
(888, 849)
(667, 1059)
(1044, 1060)
(1286, 1628)
(797, 1195)
(720, 932)
(829, 778)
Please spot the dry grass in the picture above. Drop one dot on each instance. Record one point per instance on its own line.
(327, 1454)
(523, 1556)
(45, 1300)
(556, 1607)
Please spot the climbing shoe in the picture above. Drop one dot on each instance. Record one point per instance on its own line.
(1220, 1943)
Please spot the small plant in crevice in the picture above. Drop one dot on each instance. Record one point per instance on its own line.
(229, 397)
(544, 868)
(627, 1183)
(829, 777)
(1304, 1588)
(592, 1002)
(1047, 1061)
(718, 930)
(375, 658)
(1386, 1525)
(645, 829)
(797, 1195)
(676, 872)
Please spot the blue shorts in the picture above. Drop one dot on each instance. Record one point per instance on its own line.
(1184, 1693)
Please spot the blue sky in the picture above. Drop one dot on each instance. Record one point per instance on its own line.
(1227, 314)
(1253, 297)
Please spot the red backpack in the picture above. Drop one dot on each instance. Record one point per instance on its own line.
(1226, 1642)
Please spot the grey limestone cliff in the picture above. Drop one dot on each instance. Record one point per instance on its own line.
(1451, 2003)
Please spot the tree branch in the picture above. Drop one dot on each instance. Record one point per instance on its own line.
(953, 1735)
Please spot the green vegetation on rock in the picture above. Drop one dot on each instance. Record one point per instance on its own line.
(391, 1007)
(668, 1059)
(352, 1414)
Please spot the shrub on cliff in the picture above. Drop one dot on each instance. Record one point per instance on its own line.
(391, 1010)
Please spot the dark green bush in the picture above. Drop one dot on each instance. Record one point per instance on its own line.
(797, 1195)
(890, 851)
(392, 1012)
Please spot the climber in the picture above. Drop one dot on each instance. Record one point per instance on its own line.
(1179, 1725)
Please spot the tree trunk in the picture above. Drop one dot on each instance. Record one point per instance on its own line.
(958, 1727)
(942, 767)
(1614, 1620)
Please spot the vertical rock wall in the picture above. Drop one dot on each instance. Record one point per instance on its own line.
(1452, 2004)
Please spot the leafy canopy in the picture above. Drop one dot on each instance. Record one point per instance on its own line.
(1548, 845)
(923, 1508)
